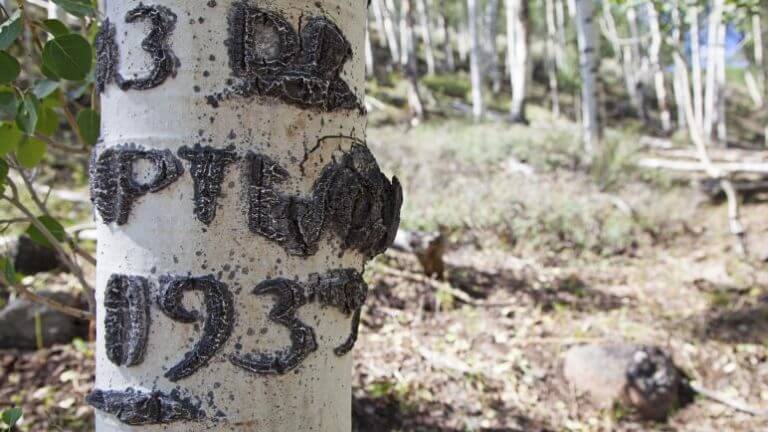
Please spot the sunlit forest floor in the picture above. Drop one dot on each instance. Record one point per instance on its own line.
(542, 253)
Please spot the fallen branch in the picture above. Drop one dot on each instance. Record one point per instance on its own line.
(724, 168)
(438, 285)
(724, 400)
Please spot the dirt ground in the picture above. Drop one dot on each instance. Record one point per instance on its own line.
(649, 261)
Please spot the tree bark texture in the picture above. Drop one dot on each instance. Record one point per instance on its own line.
(236, 205)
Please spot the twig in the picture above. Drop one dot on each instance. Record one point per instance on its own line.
(24, 291)
(724, 400)
(439, 286)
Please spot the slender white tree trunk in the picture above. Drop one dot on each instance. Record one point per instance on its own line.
(589, 64)
(712, 90)
(696, 78)
(229, 255)
(552, 54)
(388, 13)
(561, 39)
(463, 40)
(517, 46)
(478, 107)
(757, 37)
(658, 73)
(415, 105)
(721, 85)
(378, 17)
(368, 54)
(450, 61)
(426, 35)
(681, 89)
(406, 36)
(491, 47)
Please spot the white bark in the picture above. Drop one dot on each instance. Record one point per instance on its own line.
(561, 40)
(426, 35)
(658, 72)
(680, 82)
(368, 54)
(552, 56)
(589, 64)
(474, 62)
(450, 61)
(463, 40)
(163, 236)
(698, 92)
(714, 53)
(388, 14)
(406, 36)
(415, 105)
(491, 47)
(757, 42)
(378, 17)
(517, 46)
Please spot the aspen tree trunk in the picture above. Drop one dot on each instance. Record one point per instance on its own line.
(757, 36)
(720, 85)
(658, 72)
(388, 12)
(517, 46)
(714, 53)
(698, 89)
(415, 105)
(450, 61)
(492, 50)
(589, 64)
(378, 18)
(426, 35)
(680, 82)
(552, 56)
(561, 39)
(464, 41)
(236, 205)
(406, 35)
(478, 107)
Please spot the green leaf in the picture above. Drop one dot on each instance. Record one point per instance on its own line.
(52, 225)
(10, 30)
(11, 416)
(78, 8)
(44, 88)
(10, 137)
(30, 152)
(69, 57)
(26, 118)
(9, 68)
(8, 104)
(55, 27)
(47, 122)
(9, 273)
(89, 123)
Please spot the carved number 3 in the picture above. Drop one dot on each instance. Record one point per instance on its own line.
(164, 62)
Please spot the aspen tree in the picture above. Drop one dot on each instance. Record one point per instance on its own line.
(236, 205)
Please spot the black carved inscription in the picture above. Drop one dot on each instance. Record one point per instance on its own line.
(164, 62)
(219, 318)
(341, 289)
(113, 184)
(137, 408)
(126, 321)
(107, 57)
(208, 166)
(300, 68)
(352, 198)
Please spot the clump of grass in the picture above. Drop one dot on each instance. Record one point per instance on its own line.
(447, 85)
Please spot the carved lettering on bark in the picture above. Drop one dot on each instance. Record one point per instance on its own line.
(300, 68)
(157, 43)
(113, 186)
(137, 408)
(208, 166)
(219, 318)
(126, 322)
(342, 289)
(352, 198)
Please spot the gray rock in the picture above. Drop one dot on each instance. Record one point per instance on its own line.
(31, 258)
(17, 323)
(641, 378)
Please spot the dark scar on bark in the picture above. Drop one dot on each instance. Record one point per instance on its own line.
(352, 198)
(137, 408)
(208, 166)
(126, 322)
(107, 57)
(219, 318)
(300, 68)
(113, 187)
(343, 289)
(164, 61)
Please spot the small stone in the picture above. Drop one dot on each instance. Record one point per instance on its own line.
(641, 378)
